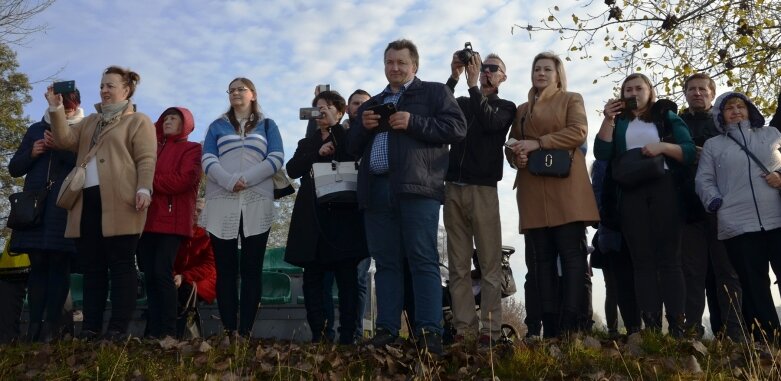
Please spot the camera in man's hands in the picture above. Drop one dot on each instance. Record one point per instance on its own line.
(465, 56)
(309, 113)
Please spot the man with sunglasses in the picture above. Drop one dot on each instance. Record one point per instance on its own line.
(471, 211)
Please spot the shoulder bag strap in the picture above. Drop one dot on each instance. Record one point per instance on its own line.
(750, 154)
(49, 181)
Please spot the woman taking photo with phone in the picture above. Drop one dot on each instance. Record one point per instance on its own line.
(554, 211)
(117, 147)
(241, 152)
(637, 130)
(50, 253)
(325, 236)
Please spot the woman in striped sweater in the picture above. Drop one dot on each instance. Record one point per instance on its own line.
(241, 153)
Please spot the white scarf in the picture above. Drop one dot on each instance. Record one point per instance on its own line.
(77, 117)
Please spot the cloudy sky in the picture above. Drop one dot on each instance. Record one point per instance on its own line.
(187, 52)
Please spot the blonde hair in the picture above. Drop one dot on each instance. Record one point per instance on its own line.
(562, 76)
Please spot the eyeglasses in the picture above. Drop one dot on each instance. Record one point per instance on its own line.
(490, 67)
(241, 90)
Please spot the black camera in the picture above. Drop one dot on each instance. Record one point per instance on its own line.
(465, 56)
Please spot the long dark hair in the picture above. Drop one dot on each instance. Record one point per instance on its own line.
(255, 115)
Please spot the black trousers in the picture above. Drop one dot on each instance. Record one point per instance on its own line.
(238, 312)
(100, 255)
(750, 254)
(48, 285)
(651, 223)
(156, 255)
(346, 276)
(12, 294)
(620, 278)
(532, 304)
(566, 243)
(707, 268)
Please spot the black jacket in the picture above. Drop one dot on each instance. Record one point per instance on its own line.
(702, 128)
(49, 235)
(321, 234)
(479, 159)
(417, 157)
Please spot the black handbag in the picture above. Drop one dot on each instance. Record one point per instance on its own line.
(27, 206)
(632, 169)
(548, 162)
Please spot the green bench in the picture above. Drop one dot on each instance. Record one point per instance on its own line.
(276, 288)
(275, 261)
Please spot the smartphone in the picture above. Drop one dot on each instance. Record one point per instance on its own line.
(321, 88)
(510, 142)
(308, 113)
(64, 87)
(385, 110)
(630, 104)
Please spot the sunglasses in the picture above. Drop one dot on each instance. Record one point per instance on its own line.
(490, 67)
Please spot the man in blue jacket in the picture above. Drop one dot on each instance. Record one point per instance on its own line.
(404, 158)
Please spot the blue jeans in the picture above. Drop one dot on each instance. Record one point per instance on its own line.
(398, 226)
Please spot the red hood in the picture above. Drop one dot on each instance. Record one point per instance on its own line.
(188, 124)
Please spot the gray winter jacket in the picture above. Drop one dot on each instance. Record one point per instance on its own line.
(749, 204)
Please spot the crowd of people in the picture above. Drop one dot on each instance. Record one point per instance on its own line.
(683, 200)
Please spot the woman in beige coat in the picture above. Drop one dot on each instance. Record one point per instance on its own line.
(110, 214)
(554, 211)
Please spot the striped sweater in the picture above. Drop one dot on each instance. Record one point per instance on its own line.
(229, 156)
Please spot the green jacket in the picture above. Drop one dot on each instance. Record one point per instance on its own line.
(680, 135)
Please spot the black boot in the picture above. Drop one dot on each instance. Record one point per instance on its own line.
(675, 326)
(33, 332)
(653, 321)
(550, 325)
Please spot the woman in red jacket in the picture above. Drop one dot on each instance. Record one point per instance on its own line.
(170, 216)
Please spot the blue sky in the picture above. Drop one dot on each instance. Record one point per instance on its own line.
(187, 52)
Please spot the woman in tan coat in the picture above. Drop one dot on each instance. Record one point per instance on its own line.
(109, 216)
(554, 211)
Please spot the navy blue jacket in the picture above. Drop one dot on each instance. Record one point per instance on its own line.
(49, 236)
(418, 156)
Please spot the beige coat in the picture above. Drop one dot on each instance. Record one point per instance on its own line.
(558, 120)
(125, 161)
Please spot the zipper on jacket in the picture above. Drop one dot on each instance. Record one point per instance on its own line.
(463, 152)
(170, 204)
(750, 181)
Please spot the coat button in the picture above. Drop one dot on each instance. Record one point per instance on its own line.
(101, 160)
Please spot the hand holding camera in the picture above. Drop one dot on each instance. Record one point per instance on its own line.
(473, 70)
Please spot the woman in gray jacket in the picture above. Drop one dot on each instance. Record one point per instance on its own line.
(745, 197)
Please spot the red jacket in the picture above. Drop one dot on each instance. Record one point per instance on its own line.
(177, 177)
(195, 262)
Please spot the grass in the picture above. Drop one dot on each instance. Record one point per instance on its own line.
(577, 358)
